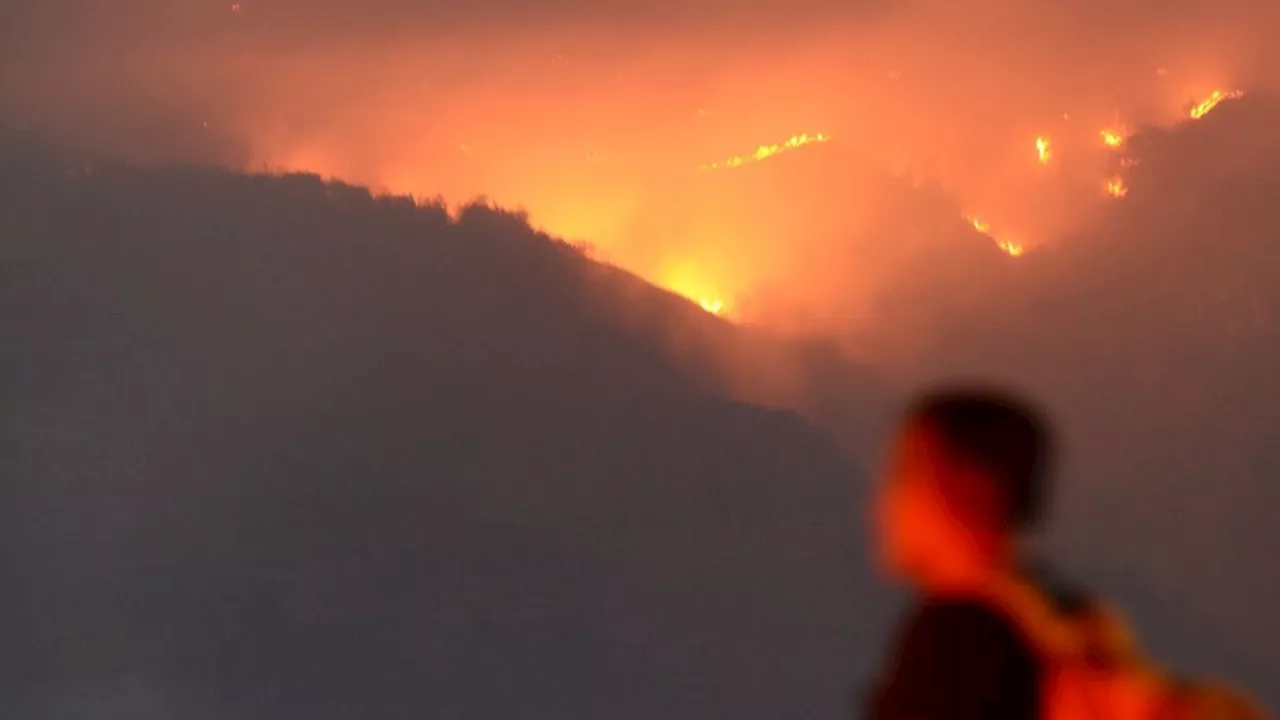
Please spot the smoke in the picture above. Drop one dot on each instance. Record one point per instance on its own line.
(1142, 319)
(596, 117)
(1149, 332)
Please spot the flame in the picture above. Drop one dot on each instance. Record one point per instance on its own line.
(683, 279)
(1008, 247)
(1044, 150)
(764, 152)
(725, 288)
(1113, 138)
(715, 306)
(1208, 104)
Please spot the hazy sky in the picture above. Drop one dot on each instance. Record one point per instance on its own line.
(596, 115)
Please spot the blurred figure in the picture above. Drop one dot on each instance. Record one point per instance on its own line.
(994, 635)
(966, 478)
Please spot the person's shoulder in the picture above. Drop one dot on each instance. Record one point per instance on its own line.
(959, 659)
(959, 614)
(967, 626)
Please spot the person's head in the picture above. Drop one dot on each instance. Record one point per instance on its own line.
(966, 478)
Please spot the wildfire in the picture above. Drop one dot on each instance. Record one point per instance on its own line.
(1008, 247)
(764, 152)
(1044, 150)
(715, 306)
(1211, 102)
(1116, 187)
(684, 279)
(1112, 138)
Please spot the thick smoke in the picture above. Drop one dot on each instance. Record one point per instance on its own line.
(273, 448)
(1152, 331)
(1147, 322)
(596, 116)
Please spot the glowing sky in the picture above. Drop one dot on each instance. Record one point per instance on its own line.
(597, 117)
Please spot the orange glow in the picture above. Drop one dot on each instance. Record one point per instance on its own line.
(685, 279)
(1044, 150)
(764, 152)
(1116, 187)
(1215, 98)
(712, 305)
(1008, 247)
(899, 122)
(634, 160)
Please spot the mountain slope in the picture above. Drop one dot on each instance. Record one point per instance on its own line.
(275, 448)
(1153, 334)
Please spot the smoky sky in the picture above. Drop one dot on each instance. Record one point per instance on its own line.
(205, 52)
(595, 117)
(275, 447)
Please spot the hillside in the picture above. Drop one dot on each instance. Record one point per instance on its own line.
(267, 434)
(275, 448)
(1155, 334)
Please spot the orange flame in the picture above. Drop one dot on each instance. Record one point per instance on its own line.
(1116, 187)
(764, 152)
(1008, 247)
(715, 306)
(684, 280)
(1044, 150)
(1112, 138)
(1211, 102)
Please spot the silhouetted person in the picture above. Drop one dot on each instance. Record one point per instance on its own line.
(991, 637)
(966, 478)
